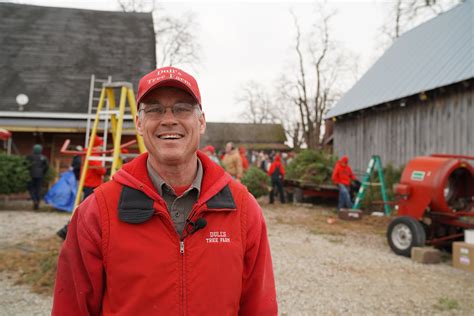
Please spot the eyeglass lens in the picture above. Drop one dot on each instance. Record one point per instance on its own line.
(179, 110)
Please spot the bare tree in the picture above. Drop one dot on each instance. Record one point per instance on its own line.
(405, 14)
(258, 107)
(262, 106)
(315, 85)
(176, 39)
(286, 113)
(137, 5)
(304, 94)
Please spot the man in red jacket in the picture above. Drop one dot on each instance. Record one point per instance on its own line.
(94, 177)
(277, 174)
(172, 233)
(95, 172)
(342, 176)
(243, 157)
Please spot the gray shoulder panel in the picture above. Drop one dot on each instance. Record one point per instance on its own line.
(222, 200)
(135, 207)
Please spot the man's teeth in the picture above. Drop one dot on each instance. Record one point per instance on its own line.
(170, 136)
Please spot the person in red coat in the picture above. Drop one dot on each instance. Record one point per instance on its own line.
(277, 174)
(94, 177)
(95, 172)
(342, 176)
(243, 156)
(210, 151)
(171, 233)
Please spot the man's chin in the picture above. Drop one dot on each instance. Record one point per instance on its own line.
(172, 158)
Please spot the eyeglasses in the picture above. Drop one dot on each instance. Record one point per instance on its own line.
(158, 111)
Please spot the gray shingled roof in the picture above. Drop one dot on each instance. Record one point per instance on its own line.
(246, 132)
(50, 53)
(437, 53)
(218, 134)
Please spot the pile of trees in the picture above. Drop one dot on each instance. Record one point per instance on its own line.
(14, 174)
(314, 166)
(257, 182)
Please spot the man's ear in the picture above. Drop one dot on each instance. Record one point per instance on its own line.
(202, 123)
(138, 125)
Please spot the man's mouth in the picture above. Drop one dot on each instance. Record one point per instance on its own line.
(170, 136)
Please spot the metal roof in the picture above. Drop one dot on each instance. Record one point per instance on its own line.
(434, 54)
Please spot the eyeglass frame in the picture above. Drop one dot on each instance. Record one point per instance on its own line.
(143, 110)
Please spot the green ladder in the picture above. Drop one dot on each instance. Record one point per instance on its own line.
(375, 162)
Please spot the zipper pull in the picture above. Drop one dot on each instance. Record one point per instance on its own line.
(181, 247)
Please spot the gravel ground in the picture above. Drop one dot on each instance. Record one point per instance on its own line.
(15, 227)
(357, 274)
(353, 274)
(19, 300)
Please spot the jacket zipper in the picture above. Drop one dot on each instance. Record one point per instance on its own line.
(193, 212)
(183, 282)
(181, 252)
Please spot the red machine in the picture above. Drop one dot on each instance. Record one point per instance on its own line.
(435, 203)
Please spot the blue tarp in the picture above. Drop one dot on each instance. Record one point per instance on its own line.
(63, 193)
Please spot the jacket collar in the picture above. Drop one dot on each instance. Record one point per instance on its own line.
(138, 192)
(135, 175)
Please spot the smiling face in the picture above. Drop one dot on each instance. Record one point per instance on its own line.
(170, 140)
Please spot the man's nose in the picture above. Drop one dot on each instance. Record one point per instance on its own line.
(168, 117)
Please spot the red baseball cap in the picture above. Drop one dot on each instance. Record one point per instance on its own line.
(168, 77)
(209, 148)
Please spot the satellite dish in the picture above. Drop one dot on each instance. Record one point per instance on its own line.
(22, 99)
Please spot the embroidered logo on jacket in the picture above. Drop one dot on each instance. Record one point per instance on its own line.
(218, 237)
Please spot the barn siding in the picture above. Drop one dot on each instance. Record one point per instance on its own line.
(443, 124)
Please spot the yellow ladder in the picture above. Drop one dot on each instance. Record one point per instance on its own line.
(116, 117)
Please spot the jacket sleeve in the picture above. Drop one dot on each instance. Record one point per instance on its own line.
(282, 171)
(45, 166)
(240, 168)
(80, 275)
(100, 172)
(96, 167)
(271, 170)
(351, 174)
(258, 284)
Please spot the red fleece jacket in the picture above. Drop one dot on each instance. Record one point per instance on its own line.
(342, 173)
(276, 164)
(111, 267)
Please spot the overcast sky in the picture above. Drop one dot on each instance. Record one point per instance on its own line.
(244, 41)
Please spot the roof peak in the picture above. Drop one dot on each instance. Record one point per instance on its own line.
(435, 54)
(69, 8)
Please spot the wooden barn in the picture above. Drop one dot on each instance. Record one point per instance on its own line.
(417, 99)
(258, 137)
(49, 55)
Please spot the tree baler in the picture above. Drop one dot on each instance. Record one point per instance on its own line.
(435, 203)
